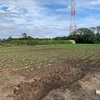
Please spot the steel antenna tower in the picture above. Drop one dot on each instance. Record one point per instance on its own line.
(73, 26)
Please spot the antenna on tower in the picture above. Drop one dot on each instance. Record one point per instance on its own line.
(73, 26)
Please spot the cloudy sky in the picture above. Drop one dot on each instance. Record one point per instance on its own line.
(45, 18)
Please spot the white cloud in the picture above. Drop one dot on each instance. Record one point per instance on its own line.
(37, 19)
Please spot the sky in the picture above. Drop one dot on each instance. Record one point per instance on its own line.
(45, 18)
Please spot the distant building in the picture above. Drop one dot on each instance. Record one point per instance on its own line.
(73, 41)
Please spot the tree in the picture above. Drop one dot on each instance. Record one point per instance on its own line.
(83, 35)
(30, 38)
(98, 38)
(10, 38)
(60, 38)
(24, 35)
(98, 29)
(93, 28)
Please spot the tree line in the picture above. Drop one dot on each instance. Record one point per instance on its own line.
(28, 40)
(84, 35)
(81, 35)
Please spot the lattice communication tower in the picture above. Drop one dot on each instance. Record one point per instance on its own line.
(73, 26)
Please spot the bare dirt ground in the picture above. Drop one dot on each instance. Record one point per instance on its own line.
(59, 82)
(84, 89)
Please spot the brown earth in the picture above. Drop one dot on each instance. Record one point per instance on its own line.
(83, 89)
(47, 80)
(62, 81)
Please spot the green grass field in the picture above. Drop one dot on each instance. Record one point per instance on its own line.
(29, 58)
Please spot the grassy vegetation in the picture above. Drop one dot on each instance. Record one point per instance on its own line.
(30, 58)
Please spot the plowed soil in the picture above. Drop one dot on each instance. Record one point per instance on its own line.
(61, 81)
(46, 80)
